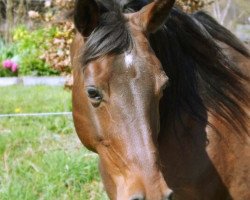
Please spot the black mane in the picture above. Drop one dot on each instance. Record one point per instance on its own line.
(201, 75)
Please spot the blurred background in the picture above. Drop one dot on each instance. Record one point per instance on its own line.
(36, 36)
(41, 156)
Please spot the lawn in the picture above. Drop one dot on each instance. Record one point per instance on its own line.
(41, 157)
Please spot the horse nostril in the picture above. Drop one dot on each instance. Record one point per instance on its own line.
(137, 197)
(169, 196)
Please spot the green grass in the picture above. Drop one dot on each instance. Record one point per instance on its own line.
(41, 157)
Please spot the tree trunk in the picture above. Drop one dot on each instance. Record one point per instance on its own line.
(9, 19)
(1, 16)
(1, 19)
(21, 11)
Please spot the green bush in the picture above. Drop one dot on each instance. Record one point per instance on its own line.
(26, 49)
(6, 73)
(30, 46)
(36, 67)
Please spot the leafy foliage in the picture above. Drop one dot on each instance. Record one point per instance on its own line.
(58, 54)
(29, 47)
(191, 5)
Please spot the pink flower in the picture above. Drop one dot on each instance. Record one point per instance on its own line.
(14, 67)
(7, 64)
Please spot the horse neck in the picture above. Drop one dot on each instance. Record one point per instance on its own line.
(193, 152)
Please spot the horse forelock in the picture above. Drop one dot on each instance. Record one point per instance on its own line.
(112, 34)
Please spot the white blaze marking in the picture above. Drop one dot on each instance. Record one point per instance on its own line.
(128, 59)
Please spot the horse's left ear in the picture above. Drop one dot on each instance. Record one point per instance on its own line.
(153, 15)
(86, 16)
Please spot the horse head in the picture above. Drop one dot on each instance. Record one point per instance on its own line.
(118, 83)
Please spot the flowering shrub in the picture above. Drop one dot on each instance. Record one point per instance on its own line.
(22, 57)
(9, 68)
(6, 54)
(10, 65)
(44, 51)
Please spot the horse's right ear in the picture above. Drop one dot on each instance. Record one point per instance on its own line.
(86, 16)
(153, 15)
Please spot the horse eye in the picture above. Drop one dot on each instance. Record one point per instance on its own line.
(94, 93)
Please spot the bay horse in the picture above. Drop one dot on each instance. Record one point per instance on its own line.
(162, 101)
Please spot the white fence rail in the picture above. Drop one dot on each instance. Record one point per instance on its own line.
(29, 81)
(36, 114)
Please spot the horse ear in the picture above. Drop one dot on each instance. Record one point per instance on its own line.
(153, 15)
(86, 16)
